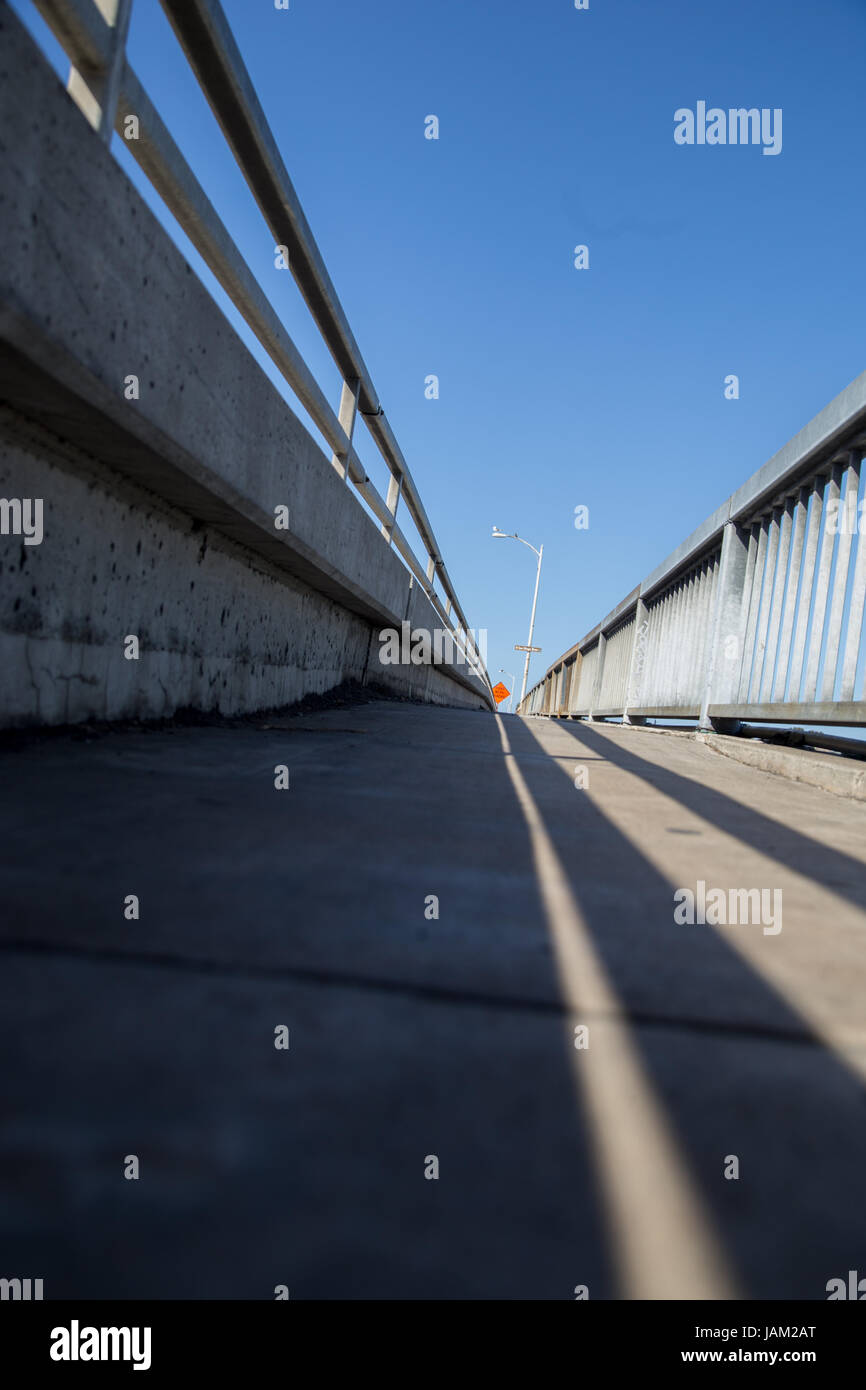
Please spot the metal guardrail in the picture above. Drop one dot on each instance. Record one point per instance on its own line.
(105, 87)
(758, 616)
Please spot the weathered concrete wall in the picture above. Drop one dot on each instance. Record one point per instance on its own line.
(158, 511)
(217, 628)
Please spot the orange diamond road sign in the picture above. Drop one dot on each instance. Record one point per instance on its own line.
(500, 693)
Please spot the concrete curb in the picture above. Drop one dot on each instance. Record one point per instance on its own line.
(838, 774)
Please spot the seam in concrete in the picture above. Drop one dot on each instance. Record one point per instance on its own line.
(410, 989)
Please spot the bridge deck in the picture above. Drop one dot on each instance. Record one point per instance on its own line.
(411, 1037)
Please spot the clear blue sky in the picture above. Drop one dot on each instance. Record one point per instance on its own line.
(455, 257)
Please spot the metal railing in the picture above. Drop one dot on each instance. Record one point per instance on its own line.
(105, 87)
(759, 615)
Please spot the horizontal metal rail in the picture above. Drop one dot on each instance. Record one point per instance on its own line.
(759, 615)
(94, 40)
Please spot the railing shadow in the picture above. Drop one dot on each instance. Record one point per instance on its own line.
(832, 868)
(739, 1071)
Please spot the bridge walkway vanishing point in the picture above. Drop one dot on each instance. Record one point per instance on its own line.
(413, 1036)
(440, 904)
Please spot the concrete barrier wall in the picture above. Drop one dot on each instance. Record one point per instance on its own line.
(159, 512)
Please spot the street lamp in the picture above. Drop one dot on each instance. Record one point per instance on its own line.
(510, 675)
(513, 536)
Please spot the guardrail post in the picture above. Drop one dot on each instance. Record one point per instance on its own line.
(556, 685)
(395, 489)
(727, 630)
(636, 664)
(347, 417)
(96, 92)
(599, 674)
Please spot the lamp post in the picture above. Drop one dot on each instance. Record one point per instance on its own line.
(510, 675)
(513, 536)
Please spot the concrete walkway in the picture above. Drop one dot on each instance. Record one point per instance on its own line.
(413, 1036)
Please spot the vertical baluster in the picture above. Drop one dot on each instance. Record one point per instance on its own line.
(786, 627)
(766, 603)
(786, 522)
(822, 588)
(96, 93)
(840, 579)
(856, 610)
(757, 549)
(807, 582)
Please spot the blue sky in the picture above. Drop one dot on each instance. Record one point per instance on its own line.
(559, 387)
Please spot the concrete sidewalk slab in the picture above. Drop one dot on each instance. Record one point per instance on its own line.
(411, 1035)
